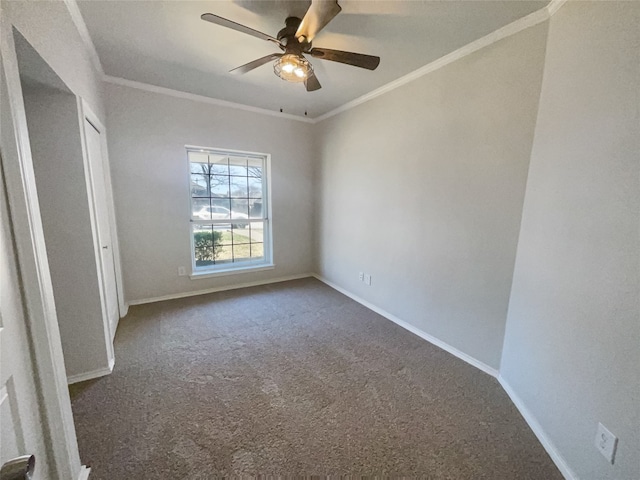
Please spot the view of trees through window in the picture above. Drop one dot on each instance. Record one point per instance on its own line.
(227, 208)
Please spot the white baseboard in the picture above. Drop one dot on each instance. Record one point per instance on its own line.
(101, 372)
(537, 429)
(219, 289)
(429, 338)
(546, 442)
(114, 328)
(84, 473)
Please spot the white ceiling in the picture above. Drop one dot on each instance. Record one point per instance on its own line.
(165, 43)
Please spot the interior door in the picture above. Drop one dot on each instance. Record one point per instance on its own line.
(20, 419)
(96, 166)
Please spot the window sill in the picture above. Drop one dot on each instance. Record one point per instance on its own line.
(231, 271)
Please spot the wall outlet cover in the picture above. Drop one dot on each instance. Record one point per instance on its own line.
(606, 443)
(361, 276)
(182, 271)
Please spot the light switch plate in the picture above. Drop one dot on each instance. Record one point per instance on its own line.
(367, 279)
(606, 443)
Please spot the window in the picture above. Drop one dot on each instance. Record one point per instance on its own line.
(230, 227)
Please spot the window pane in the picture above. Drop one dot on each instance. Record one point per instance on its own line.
(199, 187)
(254, 167)
(219, 186)
(241, 252)
(203, 236)
(220, 213)
(246, 251)
(257, 232)
(238, 166)
(199, 163)
(203, 258)
(203, 243)
(256, 208)
(240, 235)
(222, 202)
(255, 187)
(223, 233)
(219, 164)
(227, 188)
(240, 208)
(239, 187)
(200, 208)
(225, 254)
(257, 250)
(223, 248)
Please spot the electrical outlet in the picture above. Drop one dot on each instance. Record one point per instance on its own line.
(606, 443)
(361, 276)
(182, 271)
(367, 279)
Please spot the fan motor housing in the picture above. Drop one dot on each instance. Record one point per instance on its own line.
(287, 37)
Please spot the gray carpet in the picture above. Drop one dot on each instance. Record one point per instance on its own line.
(293, 379)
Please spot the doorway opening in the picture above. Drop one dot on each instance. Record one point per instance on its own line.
(75, 221)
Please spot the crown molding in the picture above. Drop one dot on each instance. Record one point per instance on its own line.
(554, 6)
(78, 20)
(517, 26)
(512, 28)
(202, 99)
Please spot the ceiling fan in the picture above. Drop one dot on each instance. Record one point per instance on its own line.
(295, 40)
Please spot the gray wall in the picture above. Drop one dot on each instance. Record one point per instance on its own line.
(422, 188)
(147, 134)
(54, 132)
(572, 345)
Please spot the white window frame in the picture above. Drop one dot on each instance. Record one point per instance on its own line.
(266, 263)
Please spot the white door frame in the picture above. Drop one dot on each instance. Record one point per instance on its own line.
(38, 298)
(86, 114)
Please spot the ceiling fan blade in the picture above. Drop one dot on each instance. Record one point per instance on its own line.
(311, 83)
(319, 14)
(247, 67)
(210, 17)
(356, 59)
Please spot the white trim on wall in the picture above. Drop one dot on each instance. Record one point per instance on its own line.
(532, 422)
(429, 338)
(554, 6)
(544, 439)
(201, 98)
(512, 28)
(100, 372)
(220, 289)
(84, 473)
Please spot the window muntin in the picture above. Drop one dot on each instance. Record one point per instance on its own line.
(229, 198)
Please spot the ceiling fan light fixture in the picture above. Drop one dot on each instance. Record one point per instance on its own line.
(292, 68)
